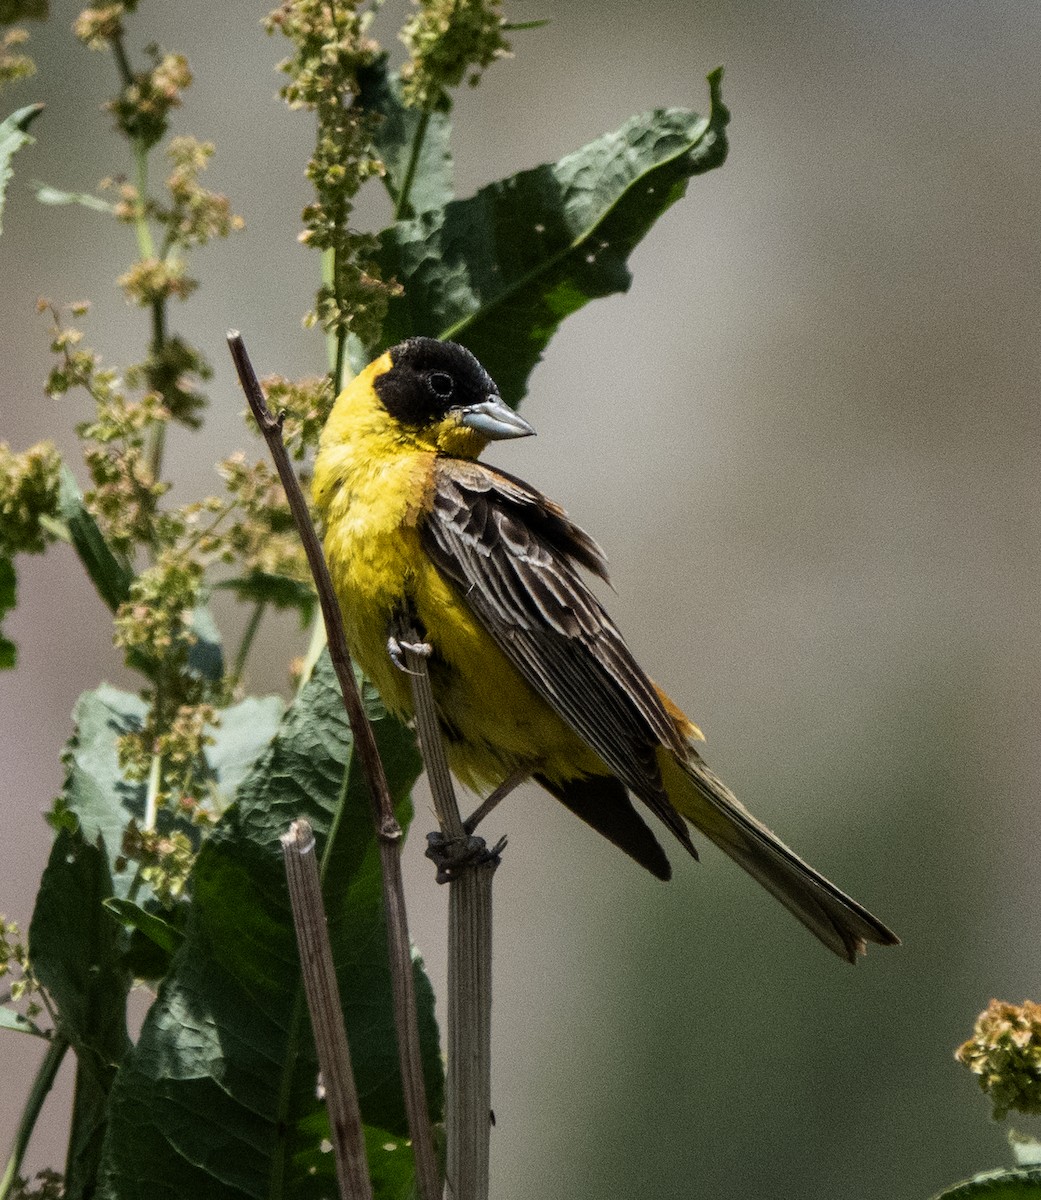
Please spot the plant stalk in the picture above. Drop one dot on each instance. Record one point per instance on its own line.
(388, 831)
(326, 1009)
(470, 870)
(402, 209)
(250, 633)
(45, 1077)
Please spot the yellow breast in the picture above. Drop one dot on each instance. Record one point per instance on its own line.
(373, 485)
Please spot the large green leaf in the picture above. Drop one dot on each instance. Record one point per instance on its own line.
(499, 271)
(1019, 1184)
(13, 136)
(77, 952)
(395, 138)
(218, 1097)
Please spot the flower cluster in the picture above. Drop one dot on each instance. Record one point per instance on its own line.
(14, 65)
(29, 484)
(446, 39)
(16, 969)
(1005, 1052)
(330, 47)
(164, 860)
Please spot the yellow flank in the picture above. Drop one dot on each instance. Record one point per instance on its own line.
(373, 481)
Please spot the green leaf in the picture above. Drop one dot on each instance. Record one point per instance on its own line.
(244, 733)
(96, 793)
(259, 587)
(206, 656)
(8, 599)
(499, 271)
(13, 137)
(52, 195)
(1021, 1184)
(133, 917)
(218, 1097)
(109, 572)
(77, 954)
(18, 1022)
(395, 137)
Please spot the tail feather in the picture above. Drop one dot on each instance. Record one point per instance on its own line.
(843, 925)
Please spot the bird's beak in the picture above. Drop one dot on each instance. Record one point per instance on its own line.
(495, 420)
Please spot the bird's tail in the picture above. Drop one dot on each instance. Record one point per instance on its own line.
(841, 923)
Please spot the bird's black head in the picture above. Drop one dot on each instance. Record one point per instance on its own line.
(440, 387)
(429, 378)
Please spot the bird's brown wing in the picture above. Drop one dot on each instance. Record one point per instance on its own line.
(514, 556)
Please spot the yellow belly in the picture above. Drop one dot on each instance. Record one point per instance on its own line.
(494, 723)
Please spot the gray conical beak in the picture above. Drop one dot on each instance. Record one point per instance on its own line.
(495, 420)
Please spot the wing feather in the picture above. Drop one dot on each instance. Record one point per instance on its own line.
(514, 555)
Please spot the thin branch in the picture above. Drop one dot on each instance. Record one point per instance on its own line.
(388, 831)
(259, 608)
(45, 1076)
(469, 867)
(326, 1009)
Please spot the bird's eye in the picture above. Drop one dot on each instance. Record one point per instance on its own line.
(441, 384)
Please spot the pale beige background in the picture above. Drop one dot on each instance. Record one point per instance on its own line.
(808, 439)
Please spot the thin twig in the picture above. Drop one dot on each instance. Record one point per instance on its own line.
(323, 1003)
(469, 867)
(388, 831)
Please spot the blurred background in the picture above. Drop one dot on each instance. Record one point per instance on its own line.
(808, 438)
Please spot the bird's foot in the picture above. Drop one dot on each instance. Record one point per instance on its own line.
(397, 650)
(450, 855)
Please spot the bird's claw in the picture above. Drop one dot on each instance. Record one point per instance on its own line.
(450, 855)
(396, 649)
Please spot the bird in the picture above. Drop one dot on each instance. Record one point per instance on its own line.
(531, 678)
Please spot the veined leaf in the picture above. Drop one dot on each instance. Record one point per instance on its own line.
(13, 136)
(499, 271)
(225, 1067)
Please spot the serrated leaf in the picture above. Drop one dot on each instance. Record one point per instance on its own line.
(225, 1067)
(13, 136)
(499, 271)
(109, 572)
(394, 139)
(46, 194)
(1019, 1184)
(8, 600)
